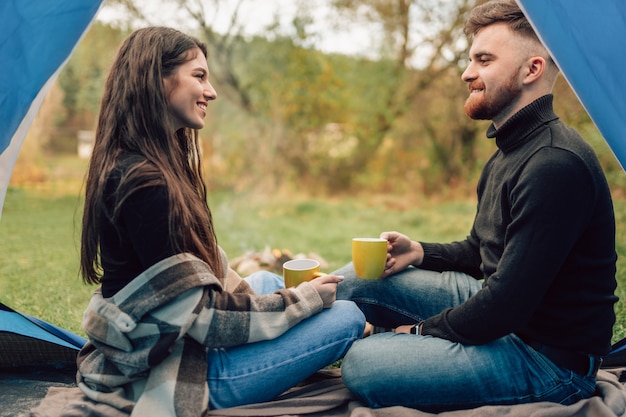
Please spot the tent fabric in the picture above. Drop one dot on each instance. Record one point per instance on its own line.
(18, 351)
(28, 341)
(36, 39)
(617, 357)
(586, 40)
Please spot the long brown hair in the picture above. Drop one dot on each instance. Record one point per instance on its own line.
(134, 120)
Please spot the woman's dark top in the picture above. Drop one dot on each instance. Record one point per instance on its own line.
(138, 238)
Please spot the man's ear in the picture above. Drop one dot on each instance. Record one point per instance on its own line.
(535, 66)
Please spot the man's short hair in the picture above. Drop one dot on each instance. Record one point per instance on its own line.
(499, 11)
(509, 13)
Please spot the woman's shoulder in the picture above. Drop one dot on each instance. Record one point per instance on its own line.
(129, 160)
(134, 164)
(134, 169)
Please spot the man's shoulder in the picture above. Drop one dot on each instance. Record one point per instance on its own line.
(569, 142)
(564, 156)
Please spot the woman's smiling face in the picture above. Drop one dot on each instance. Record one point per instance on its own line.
(188, 92)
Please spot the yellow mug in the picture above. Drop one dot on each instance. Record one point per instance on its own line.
(296, 271)
(369, 256)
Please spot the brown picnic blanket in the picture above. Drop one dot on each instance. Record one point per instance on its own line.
(327, 396)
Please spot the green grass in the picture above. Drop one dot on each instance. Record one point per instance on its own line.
(39, 246)
(326, 227)
(39, 257)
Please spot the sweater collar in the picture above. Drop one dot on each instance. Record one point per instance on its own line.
(515, 131)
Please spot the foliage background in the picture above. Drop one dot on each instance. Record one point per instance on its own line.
(291, 116)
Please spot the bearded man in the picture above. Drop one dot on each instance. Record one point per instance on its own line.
(522, 309)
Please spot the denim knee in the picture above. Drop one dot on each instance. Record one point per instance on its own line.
(354, 369)
(352, 317)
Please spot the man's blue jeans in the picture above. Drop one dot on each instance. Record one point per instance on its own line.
(433, 374)
(260, 371)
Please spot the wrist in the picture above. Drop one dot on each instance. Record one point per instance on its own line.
(417, 329)
(418, 253)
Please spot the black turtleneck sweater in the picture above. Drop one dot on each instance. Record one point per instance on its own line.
(543, 239)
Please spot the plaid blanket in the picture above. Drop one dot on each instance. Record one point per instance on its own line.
(146, 353)
(326, 396)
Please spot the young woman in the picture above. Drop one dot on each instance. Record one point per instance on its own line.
(166, 293)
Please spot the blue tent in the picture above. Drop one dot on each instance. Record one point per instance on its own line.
(36, 39)
(29, 341)
(586, 39)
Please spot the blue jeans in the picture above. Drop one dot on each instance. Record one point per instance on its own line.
(260, 371)
(433, 374)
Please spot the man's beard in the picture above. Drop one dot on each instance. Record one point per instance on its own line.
(486, 106)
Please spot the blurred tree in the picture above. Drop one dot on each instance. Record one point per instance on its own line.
(29, 167)
(201, 16)
(295, 115)
(82, 80)
(421, 43)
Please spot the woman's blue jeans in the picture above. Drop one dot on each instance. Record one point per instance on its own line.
(260, 371)
(433, 374)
